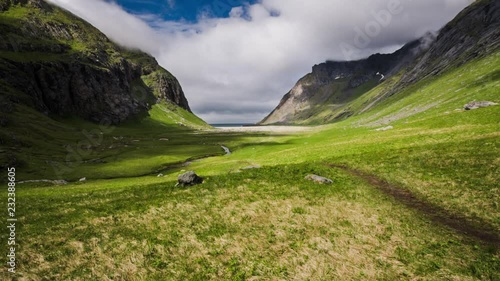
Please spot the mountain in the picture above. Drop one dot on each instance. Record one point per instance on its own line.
(337, 90)
(334, 84)
(62, 66)
(64, 87)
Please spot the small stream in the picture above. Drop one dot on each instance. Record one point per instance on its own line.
(228, 152)
(172, 166)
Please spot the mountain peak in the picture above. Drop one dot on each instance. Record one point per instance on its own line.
(65, 66)
(328, 93)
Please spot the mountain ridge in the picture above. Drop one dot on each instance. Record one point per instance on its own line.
(338, 79)
(64, 66)
(473, 33)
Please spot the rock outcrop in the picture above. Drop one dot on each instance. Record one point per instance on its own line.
(188, 179)
(478, 104)
(59, 64)
(318, 179)
(334, 82)
(325, 94)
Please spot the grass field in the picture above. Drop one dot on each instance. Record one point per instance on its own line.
(418, 202)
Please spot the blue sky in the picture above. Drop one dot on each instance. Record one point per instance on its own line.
(235, 59)
(187, 10)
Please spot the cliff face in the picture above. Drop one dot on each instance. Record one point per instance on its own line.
(327, 94)
(61, 65)
(335, 82)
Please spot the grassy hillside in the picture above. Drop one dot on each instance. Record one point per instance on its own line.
(55, 70)
(463, 85)
(418, 202)
(335, 91)
(64, 37)
(46, 148)
(338, 102)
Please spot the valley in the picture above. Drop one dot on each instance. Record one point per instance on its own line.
(269, 221)
(414, 192)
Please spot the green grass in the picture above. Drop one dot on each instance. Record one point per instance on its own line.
(339, 106)
(54, 147)
(269, 223)
(77, 38)
(126, 223)
(80, 149)
(168, 113)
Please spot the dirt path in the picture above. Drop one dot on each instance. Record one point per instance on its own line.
(479, 230)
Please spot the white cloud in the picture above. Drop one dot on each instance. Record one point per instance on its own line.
(236, 69)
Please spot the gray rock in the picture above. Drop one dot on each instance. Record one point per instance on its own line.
(478, 104)
(160, 175)
(318, 179)
(188, 179)
(83, 179)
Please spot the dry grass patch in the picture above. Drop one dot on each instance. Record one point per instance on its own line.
(268, 224)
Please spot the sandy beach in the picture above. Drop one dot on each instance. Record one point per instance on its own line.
(276, 129)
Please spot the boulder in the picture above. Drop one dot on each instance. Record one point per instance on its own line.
(478, 104)
(83, 179)
(188, 179)
(318, 179)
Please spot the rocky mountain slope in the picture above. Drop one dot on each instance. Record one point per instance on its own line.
(474, 33)
(57, 63)
(337, 90)
(334, 83)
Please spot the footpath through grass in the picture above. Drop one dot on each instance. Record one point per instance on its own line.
(270, 223)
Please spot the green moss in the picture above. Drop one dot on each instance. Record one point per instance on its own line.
(169, 113)
(15, 14)
(152, 80)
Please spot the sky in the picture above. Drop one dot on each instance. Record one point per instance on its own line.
(236, 59)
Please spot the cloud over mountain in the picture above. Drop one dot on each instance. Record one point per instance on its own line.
(237, 68)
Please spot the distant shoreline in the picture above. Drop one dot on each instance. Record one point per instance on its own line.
(232, 125)
(276, 129)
